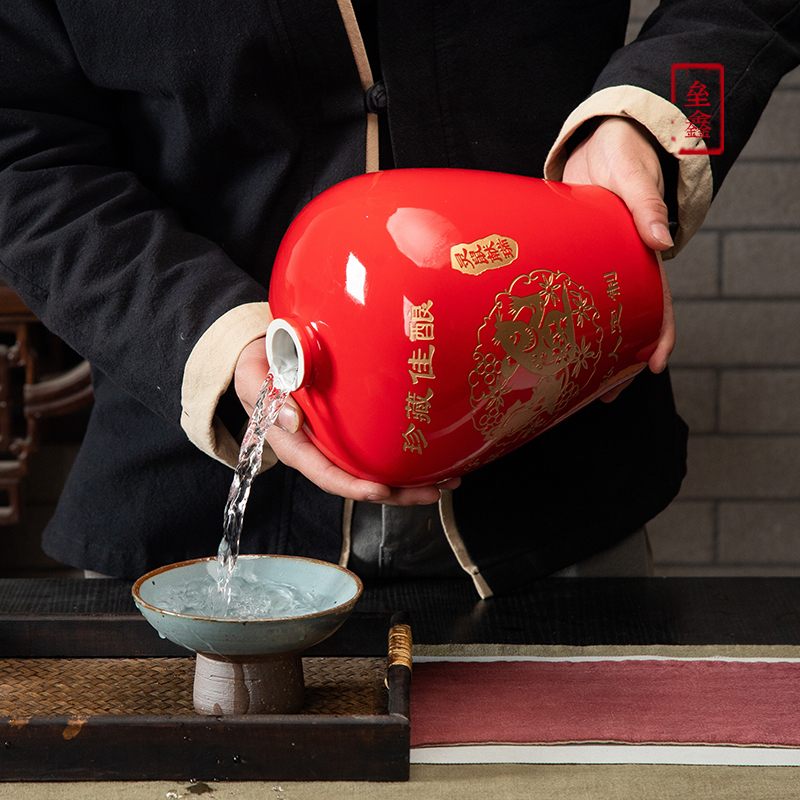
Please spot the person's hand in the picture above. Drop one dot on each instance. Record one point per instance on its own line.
(620, 155)
(293, 447)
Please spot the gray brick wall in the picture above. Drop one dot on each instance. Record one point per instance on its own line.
(736, 366)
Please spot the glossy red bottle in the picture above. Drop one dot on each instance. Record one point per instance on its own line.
(429, 320)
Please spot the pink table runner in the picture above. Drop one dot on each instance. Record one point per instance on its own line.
(627, 701)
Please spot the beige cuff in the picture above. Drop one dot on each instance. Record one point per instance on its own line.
(207, 375)
(669, 125)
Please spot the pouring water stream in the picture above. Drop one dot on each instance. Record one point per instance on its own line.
(271, 400)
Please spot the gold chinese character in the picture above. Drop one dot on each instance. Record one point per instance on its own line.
(607, 378)
(614, 353)
(613, 285)
(421, 365)
(419, 408)
(616, 316)
(420, 322)
(414, 439)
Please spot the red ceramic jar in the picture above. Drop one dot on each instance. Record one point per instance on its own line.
(430, 320)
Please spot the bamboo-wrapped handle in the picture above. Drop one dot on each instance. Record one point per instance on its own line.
(400, 645)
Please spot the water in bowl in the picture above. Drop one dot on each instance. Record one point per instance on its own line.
(249, 597)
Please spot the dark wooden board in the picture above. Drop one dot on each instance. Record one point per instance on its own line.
(601, 611)
(186, 748)
(575, 611)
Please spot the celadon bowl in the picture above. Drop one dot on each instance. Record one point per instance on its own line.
(250, 665)
(241, 637)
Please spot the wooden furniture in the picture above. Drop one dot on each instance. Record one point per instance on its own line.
(26, 397)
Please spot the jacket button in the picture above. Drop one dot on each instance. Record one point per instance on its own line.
(375, 99)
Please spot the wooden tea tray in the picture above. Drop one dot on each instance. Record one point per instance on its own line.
(88, 691)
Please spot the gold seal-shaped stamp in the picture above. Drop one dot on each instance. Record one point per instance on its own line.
(491, 252)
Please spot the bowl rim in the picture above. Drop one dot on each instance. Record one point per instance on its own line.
(137, 598)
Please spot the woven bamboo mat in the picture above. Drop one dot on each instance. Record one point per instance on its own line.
(163, 686)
